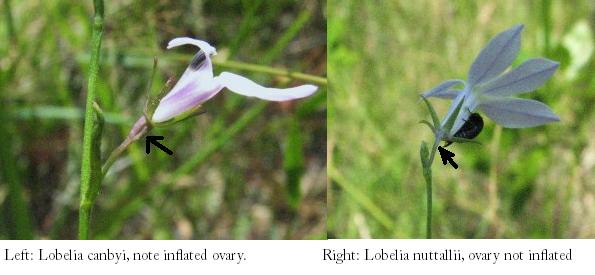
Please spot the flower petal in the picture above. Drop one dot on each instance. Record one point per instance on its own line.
(464, 103)
(467, 107)
(496, 56)
(196, 86)
(184, 98)
(517, 112)
(200, 68)
(442, 90)
(524, 78)
(450, 94)
(243, 86)
(203, 45)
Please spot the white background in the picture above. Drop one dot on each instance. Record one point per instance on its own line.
(297, 257)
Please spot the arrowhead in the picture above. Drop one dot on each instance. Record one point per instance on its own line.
(447, 156)
(154, 141)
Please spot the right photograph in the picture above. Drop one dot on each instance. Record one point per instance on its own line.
(461, 119)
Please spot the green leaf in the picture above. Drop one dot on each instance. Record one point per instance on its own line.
(463, 140)
(435, 118)
(428, 124)
(451, 120)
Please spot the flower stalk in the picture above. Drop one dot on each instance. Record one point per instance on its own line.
(427, 173)
(139, 130)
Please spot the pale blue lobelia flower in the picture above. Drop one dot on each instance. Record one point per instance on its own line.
(490, 91)
(198, 85)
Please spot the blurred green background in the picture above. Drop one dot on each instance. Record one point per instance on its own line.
(521, 183)
(247, 169)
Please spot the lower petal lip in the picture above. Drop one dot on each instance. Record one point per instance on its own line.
(179, 104)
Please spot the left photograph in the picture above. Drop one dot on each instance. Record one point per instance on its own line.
(163, 119)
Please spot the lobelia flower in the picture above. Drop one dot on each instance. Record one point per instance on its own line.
(490, 91)
(198, 85)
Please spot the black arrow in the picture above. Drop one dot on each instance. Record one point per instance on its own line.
(446, 155)
(154, 140)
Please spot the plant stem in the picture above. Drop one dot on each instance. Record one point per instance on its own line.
(88, 176)
(137, 132)
(427, 172)
(434, 149)
(429, 206)
(429, 188)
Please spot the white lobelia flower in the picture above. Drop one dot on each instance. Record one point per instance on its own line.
(490, 91)
(198, 85)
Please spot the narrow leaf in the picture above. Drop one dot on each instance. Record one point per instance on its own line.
(428, 124)
(435, 118)
(463, 140)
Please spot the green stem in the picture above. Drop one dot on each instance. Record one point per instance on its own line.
(114, 156)
(121, 148)
(434, 149)
(429, 206)
(84, 220)
(427, 172)
(88, 176)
